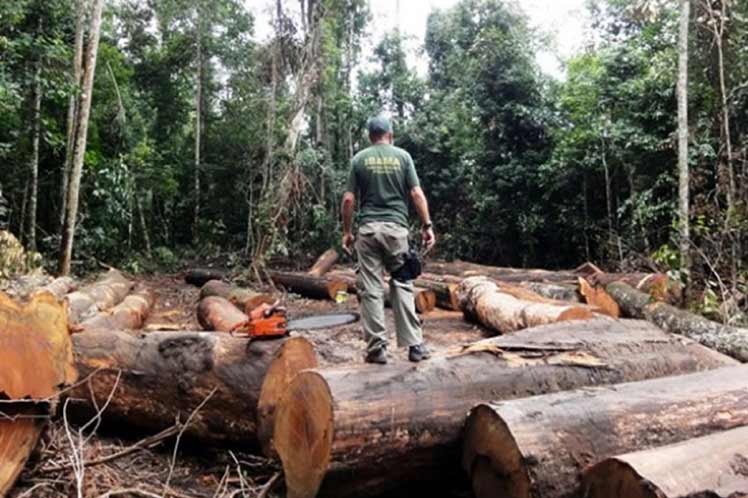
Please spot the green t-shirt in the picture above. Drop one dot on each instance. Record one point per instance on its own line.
(382, 177)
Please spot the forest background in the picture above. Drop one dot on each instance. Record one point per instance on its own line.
(205, 141)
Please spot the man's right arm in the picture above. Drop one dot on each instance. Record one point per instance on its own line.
(422, 208)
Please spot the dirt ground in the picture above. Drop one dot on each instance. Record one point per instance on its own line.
(174, 468)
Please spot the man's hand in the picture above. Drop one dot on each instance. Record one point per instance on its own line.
(348, 240)
(428, 238)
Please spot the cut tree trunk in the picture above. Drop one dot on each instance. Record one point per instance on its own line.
(36, 361)
(445, 293)
(714, 465)
(505, 309)
(59, 287)
(201, 276)
(731, 341)
(106, 292)
(512, 275)
(599, 298)
(244, 299)
(217, 313)
(159, 376)
(537, 446)
(364, 429)
(426, 299)
(308, 286)
(324, 263)
(130, 314)
(657, 285)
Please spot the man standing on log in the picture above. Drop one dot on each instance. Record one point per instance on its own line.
(384, 179)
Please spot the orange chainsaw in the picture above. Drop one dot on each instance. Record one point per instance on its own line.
(270, 321)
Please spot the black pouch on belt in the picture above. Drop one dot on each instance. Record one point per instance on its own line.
(411, 268)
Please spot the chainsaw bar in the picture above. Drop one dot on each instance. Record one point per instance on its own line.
(323, 321)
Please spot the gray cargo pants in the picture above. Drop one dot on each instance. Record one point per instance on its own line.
(382, 246)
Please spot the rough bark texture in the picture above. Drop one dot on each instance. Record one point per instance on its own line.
(538, 446)
(217, 313)
(365, 428)
(504, 310)
(34, 162)
(657, 285)
(244, 299)
(106, 292)
(731, 341)
(130, 314)
(308, 286)
(324, 263)
(164, 375)
(36, 360)
(201, 276)
(84, 109)
(714, 465)
(684, 176)
(445, 293)
(59, 287)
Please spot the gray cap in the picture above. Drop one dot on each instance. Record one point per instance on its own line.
(379, 125)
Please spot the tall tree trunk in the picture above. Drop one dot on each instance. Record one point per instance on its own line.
(73, 107)
(146, 237)
(34, 163)
(198, 117)
(683, 173)
(84, 109)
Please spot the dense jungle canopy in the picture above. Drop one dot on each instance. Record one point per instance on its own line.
(206, 138)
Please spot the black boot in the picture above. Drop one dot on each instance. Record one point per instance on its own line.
(378, 356)
(418, 352)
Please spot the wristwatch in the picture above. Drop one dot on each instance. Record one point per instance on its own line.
(428, 226)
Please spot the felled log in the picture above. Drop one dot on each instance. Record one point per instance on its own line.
(714, 465)
(308, 286)
(599, 298)
(657, 285)
(217, 313)
(244, 299)
(511, 275)
(505, 310)
(201, 276)
(324, 263)
(103, 294)
(59, 287)
(559, 292)
(130, 314)
(36, 361)
(365, 428)
(159, 376)
(293, 356)
(445, 293)
(537, 446)
(425, 298)
(731, 341)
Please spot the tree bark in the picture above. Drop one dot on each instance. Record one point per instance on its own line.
(307, 286)
(446, 294)
(504, 310)
(103, 294)
(84, 106)
(599, 298)
(714, 465)
(683, 170)
(36, 361)
(244, 299)
(166, 375)
(130, 314)
(201, 276)
(72, 119)
(731, 341)
(36, 119)
(324, 263)
(403, 422)
(537, 446)
(218, 314)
